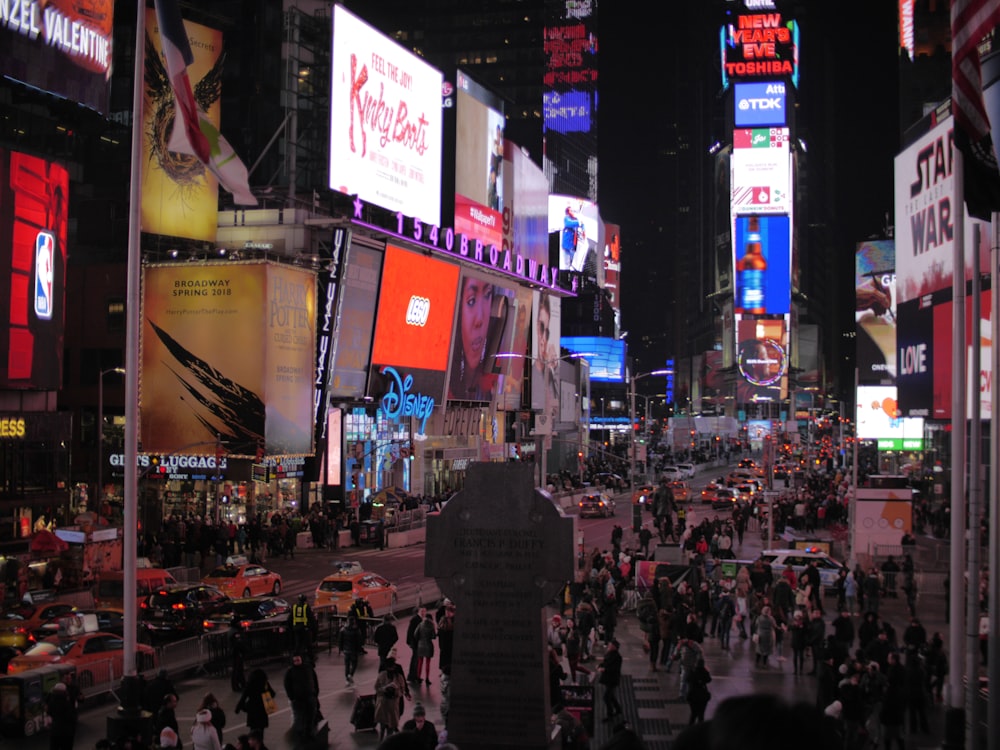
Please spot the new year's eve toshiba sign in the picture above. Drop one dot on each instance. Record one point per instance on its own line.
(760, 45)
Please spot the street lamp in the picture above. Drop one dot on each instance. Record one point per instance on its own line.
(631, 420)
(100, 431)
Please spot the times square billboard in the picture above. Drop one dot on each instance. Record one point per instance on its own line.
(875, 311)
(62, 47)
(385, 121)
(925, 213)
(570, 46)
(758, 46)
(34, 198)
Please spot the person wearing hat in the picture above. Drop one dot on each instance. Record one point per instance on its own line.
(424, 730)
(61, 712)
(610, 676)
(168, 738)
(203, 734)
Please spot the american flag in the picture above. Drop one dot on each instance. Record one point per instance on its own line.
(971, 20)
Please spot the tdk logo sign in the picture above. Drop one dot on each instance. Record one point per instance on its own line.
(418, 311)
(759, 104)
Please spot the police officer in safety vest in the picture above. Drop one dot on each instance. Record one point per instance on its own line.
(303, 623)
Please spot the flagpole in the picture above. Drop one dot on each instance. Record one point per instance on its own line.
(993, 667)
(956, 644)
(130, 701)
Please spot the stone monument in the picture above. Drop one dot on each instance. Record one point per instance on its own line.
(500, 550)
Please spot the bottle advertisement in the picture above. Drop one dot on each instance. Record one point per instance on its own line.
(763, 264)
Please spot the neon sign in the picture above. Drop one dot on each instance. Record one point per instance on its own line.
(760, 45)
(398, 402)
(445, 239)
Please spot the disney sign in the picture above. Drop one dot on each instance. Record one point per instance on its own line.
(399, 402)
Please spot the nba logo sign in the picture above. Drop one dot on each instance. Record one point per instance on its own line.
(45, 246)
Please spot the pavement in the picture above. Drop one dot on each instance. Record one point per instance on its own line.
(652, 698)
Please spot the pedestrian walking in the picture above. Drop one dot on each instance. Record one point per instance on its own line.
(61, 712)
(390, 689)
(698, 692)
(203, 734)
(609, 676)
(349, 644)
(257, 696)
(302, 689)
(211, 704)
(764, 636)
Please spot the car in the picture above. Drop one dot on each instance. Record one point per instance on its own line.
(21, 626)
(687, 469)
(181, 611)
(799, 559)
(671, 473)
(596, 505)
(244, 579)
(347, 567)
(739, 476)
(109, 620)
(97, 656)
(341, 590)
(747, 491)
(708, 493)
(725, 499)
(746, 463)
(681, 491)
(252, 613)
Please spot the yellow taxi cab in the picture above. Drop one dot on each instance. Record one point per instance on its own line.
(241, 578)
(97, 656)
(708, 494)
(341, 589)
(681, 491)
(642, 495)
(20, 626)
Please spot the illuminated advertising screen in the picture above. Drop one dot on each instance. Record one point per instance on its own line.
(512, 369)
(762, 264)
(196, 380)
(357, 305)
(722, 222)
(34, 200)
(545, 350)
(756, 104)
(570, 47)
(879, 418)
(758, 429)
(568, 111)
(485, 321)
(762, 359)
(479, 162)
(578, 224)
(385, 121)
(875, 311)
(760, 46)
(62, 46)
(761, 176)
(525, 209)
(179, 195)
(605, 355)
(334, 447)
(613, 263)
(416, 306)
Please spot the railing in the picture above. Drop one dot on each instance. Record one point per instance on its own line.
(185, 575)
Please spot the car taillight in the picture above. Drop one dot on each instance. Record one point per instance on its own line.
(143, 605)
(206, 624)
(246, 624)
(179, 605)
(21, 631)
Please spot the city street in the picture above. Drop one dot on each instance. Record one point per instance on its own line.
(654, 694)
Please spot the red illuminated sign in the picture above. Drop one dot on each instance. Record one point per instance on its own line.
(760, 45)
(415, 311)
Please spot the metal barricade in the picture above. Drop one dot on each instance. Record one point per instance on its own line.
(180, 656)
(183, 574)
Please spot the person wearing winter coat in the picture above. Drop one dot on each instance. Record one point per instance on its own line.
(203, 734)
(799, 636)
(252, 701)
(426, 633)
(698, 693)
(766, 628)
(390, 689)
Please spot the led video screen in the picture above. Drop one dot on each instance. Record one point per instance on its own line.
(762, 265)
(878, 416)
(762, 359)
(479, 162)
(34, 200)
(756, 104)
(385, 121)
(761, 176)
(579, 226)
(875, 311)
(413, 326)
(61, 46)
(605, 355)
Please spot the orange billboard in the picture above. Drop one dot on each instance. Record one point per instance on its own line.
(227, 350)
(180, 196)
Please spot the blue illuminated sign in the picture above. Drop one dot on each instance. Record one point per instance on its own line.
(399, 402)
(759, 104)
(605, 355)
(567, 111)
